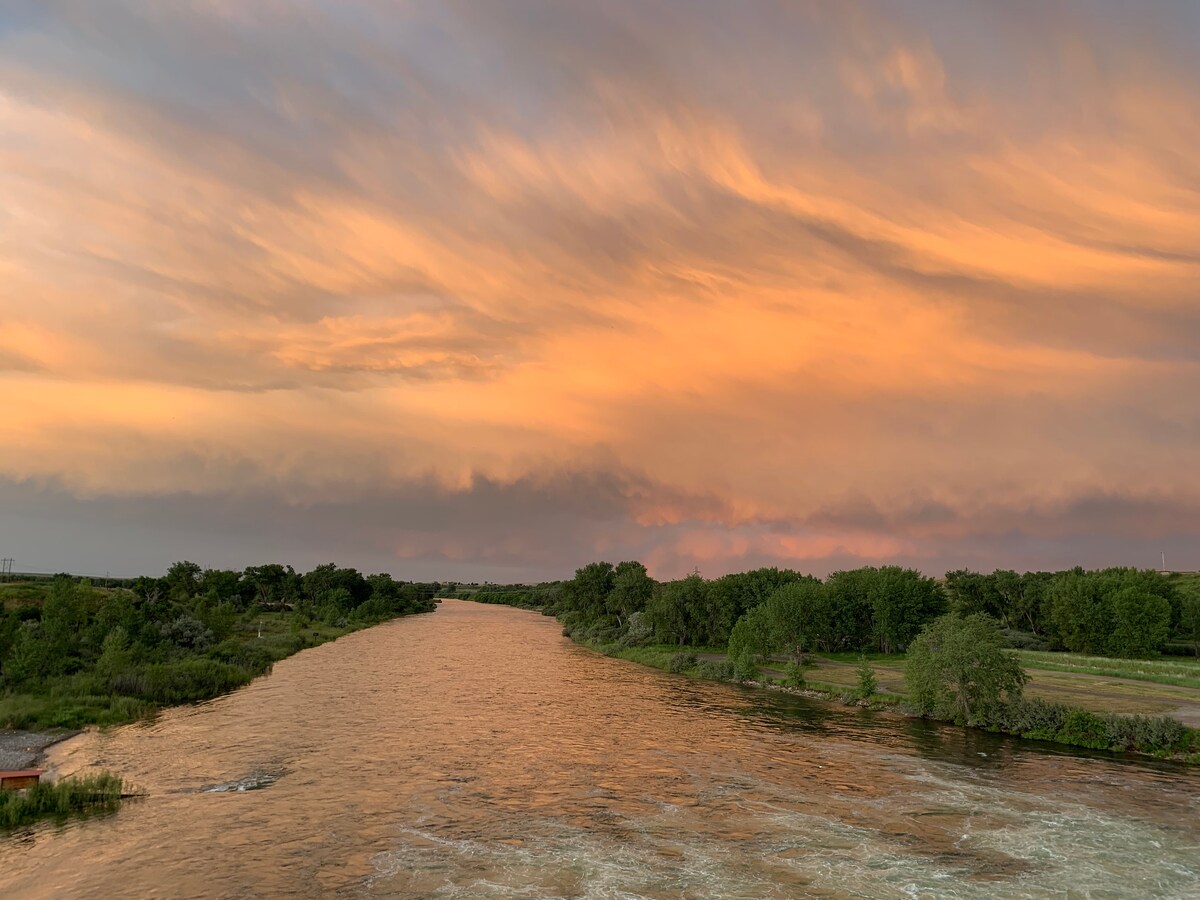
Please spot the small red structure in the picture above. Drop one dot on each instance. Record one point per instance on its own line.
(18, 779)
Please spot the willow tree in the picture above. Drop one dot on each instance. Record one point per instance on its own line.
(957, 668)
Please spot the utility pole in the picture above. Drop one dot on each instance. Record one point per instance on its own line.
(1164, 559)
(6, 567)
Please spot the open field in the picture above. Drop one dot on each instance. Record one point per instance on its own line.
(1181, 671)
(1090, 682)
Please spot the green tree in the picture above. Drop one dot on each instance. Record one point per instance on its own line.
(1189, 618)
(799, 617)
(183, 580)
(1141, 622)
(673, 610)
(731, 596)
(850, 599)
(115, 657)
(587, 593)
(1079, 617)
(631, 590)
(902, 601)
(957, 668)
(753, 634)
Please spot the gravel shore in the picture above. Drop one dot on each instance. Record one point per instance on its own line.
(23, 749)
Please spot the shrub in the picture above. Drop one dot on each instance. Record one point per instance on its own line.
(793, 675)
(186, 681)
(867, 684)
(1032, 718)
(745, 668)
(681, 662)
(1146, 733)
(718, 670)
(1084, 729)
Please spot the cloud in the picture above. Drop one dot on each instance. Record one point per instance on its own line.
(813, 284)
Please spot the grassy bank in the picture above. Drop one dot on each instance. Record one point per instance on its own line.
(139, 691)
(75, 654)
(82, 796)
(1034, 718)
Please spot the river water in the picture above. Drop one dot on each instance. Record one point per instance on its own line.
(475, 752)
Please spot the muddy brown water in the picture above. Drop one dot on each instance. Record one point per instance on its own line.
(475, 752)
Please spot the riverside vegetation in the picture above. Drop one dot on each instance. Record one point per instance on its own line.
(963, 640)
(87, 795)
(74, 654)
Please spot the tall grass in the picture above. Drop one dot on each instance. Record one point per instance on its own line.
(71, 796)
(1177, 671)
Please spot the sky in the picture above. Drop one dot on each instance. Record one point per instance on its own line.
(489, 290)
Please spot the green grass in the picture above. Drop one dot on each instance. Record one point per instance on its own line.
(1176, 671)
(17, 594)
(70, 797)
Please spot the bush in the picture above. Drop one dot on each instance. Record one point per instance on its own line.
(1034, 718)
(867, 685)
(1084, 729)
(681, 662)
(793, 675)
(718, 670)
(1149, 734)
(186, 681)
(1024, 640)
(745, 668)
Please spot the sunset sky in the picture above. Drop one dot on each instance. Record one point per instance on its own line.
(493, 289)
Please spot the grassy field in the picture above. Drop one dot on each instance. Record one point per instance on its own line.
(1181, 671)
(1132, 687)
(1149, 687)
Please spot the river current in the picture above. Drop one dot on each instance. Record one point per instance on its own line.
(475, 752)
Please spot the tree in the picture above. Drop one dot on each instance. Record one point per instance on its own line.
(731, 596)
(588, 591)
(902, 601)
(752, 634)
(798, 616)
(1078, 615)
(957, 668)
(183, 580)
(850, 598)
(631, 590)
(1141, 623)
(1189, 618)
(672, 611)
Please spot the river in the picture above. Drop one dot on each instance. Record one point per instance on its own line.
(475, 752)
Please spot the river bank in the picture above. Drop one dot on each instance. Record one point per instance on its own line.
(1158, 737)
(477, 752)
(139, 690)
(27, 749)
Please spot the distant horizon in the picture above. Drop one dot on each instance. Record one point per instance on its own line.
(16, 574)
(494, 287)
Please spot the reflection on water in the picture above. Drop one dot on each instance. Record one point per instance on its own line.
(475, 752)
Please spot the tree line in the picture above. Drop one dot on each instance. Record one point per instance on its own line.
(72, 653)
(1122, 612)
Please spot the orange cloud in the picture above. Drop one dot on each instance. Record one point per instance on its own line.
(808, 284)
